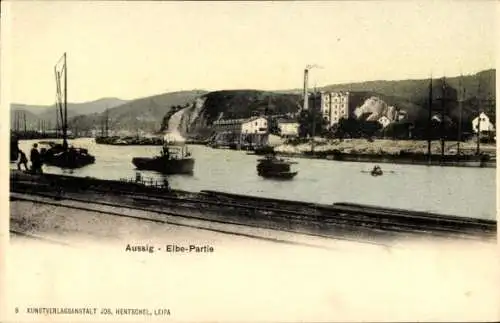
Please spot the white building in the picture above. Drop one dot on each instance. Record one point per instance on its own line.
(485, 125)
(384, 121)
(333, 105)
(254, 125)
(241, 132)
(288, 128)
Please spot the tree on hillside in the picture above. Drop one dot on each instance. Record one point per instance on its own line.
(354, 128)
(347, 128)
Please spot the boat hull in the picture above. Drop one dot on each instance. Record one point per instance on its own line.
(67, 160)
(278, 175)
(165, 166)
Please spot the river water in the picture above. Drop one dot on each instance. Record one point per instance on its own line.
(447, 190)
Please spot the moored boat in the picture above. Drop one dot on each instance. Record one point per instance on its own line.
(69, 158)
(272, 167)
(63, 155)
(174, 159)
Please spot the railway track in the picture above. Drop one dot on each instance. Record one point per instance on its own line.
(332, 219)
(166, 221)
(338, 233)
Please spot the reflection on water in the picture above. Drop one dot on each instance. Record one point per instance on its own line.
(450, 190)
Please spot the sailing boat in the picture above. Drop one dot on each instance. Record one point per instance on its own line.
(62, 155)
(104, 137)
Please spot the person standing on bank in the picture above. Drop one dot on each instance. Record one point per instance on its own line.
(36, 163)
(23, 160)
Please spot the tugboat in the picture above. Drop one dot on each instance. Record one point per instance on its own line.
(61, 155)
(272, 167)
(174, 159)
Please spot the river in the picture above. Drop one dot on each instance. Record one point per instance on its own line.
(448, 190)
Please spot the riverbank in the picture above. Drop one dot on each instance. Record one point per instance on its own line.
(140, 141)
(391, 151)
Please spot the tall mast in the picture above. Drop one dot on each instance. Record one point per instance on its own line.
(429, 123)
(443, 107)
(313, 114)
(24, 118)
(478, 149)
(460, 102)
(65, 124)
(107, 121)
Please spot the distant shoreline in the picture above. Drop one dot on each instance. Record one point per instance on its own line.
(481, 161)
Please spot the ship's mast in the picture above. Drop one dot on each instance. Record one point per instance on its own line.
(65, 125)
(63, 114)
(429, 123)
(460, 102)
(313, 114)
(442, 126)
(478, 148)
(107, 122)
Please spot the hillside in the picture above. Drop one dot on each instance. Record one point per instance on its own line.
(48, 113)
(153, 113)
(195, 120)
(147, 113)
(18, 115)
(480, 85)
(417, 90)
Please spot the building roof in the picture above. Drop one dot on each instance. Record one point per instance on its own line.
(483, 114)
(287, 121)
(235, 121)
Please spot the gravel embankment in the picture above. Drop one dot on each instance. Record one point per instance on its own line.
(380, 146)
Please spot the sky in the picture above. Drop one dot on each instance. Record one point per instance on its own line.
(136, 49)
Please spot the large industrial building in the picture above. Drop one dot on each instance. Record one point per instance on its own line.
(241, 132)
(333, 106)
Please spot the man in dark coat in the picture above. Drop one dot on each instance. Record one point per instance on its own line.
(36, 162)
(23, 160)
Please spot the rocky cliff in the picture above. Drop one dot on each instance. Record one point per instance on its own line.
(194, 121)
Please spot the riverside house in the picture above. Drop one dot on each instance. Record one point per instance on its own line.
(486, 126)
(248, 132)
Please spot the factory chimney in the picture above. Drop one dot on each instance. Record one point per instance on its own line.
(306, 98)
